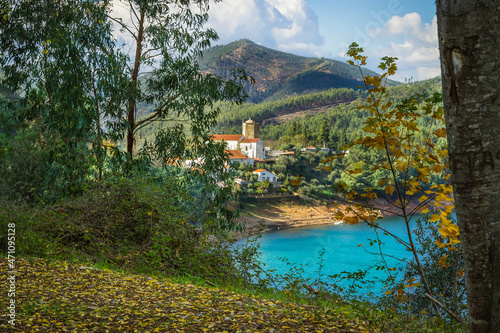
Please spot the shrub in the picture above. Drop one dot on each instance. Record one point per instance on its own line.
(20, 158)
(443, 270)
(134, 224)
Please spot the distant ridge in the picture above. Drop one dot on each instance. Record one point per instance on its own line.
(279, 74)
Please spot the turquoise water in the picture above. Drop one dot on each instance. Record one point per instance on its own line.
(302, 246)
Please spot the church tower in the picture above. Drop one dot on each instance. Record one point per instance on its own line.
(251, 129)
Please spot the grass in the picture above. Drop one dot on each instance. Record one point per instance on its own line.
(87, 267)
(59, 296)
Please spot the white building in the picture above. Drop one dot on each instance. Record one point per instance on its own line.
(310, 148)
(264, 174)
(248, 142)
(253, 148)
(232, 141)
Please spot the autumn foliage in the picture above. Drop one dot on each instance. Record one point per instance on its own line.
(411, 171)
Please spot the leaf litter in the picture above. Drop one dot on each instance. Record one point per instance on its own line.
(66, 297)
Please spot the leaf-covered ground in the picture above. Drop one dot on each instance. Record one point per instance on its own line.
(62, 297)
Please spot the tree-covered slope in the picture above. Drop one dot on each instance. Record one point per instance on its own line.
(278, 74)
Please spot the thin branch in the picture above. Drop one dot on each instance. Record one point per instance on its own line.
(160, 120)
(124, 26)
(151, 56)
(132, 10)
(385, 255)
(444, 307)
(149, 50)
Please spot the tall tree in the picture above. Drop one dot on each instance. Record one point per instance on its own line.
(324, 132)
(469, 35)
(166, 37)
(61, 56)
(88, 85)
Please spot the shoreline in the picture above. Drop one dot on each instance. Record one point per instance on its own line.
(286, 214)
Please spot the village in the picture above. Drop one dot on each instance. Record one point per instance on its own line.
(247, 153)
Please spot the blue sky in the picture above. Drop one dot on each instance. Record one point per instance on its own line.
(324, 28)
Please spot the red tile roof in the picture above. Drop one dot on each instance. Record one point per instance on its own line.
(260, 170)
(227, 137)
(311, 147)
(236, 155)
(249, 140)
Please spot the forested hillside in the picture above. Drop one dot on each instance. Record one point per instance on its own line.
(278, 74)
(343, 118)
(229, 121)
(333, 129)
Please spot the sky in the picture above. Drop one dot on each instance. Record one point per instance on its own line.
(405, 29)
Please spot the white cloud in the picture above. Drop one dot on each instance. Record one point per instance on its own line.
(301, 48)
(287, 25)
(418, 52)
(428, 71)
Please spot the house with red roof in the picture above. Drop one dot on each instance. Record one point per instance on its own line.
(310, 148)
(264, 174)
(238, 156)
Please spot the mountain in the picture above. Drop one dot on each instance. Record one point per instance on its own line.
(278, 74)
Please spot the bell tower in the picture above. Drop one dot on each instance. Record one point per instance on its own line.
(251, 129)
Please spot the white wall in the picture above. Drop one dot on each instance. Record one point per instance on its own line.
(267, 175)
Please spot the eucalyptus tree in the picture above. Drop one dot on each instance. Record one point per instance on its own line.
(60, 58)
(469, 36)
(163, 40)
(86, 67)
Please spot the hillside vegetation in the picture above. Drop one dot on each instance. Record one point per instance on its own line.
(278, 74)
(339, 111)
(100, 236)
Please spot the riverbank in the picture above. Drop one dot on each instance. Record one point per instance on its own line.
(283, 214)
(286, 213)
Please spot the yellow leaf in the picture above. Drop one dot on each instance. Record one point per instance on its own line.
(296, 181)
(440, 133)
(382, 182)
(397, 153)
(435, 218)
(339, 215)
(438, 243)
(389, 190)
(351, 220)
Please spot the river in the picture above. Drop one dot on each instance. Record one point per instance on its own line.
(341, 244)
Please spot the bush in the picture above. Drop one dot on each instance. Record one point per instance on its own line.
(135, 224)
(20, 158)
(442, 269)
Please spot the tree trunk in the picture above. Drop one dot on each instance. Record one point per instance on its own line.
(469, 39)
(135, 74)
